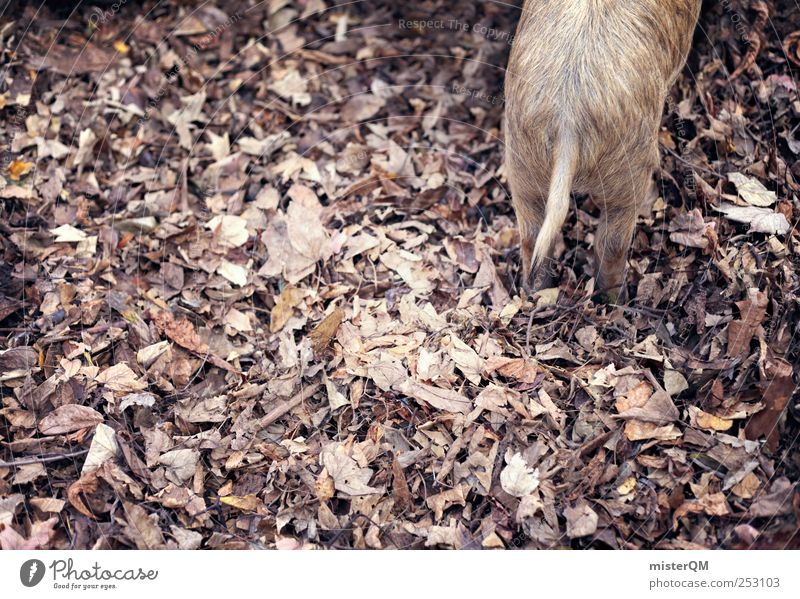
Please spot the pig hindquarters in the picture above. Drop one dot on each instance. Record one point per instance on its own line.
(585, 89)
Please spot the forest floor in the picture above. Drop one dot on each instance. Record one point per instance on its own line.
(259, 288)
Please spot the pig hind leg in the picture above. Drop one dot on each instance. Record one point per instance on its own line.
(612, 242)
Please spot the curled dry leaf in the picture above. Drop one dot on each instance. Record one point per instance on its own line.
(180, 464)
(441, 399)
(741, 332)
(690, 229)
(348, 477)
(713, 504)
(141, 528)
(761, 220)
(104, 447)
(466, 359)
(248, 503)
(707, 421)
(84, 486)
(752, 190)
(120, 377)
(69, 418)
(182, 332)
(325, 331)
(517, 478)
(285, 303)
(40, 536)
(777, 393)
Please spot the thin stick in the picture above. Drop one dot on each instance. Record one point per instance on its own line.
(288, 405)
(42, 459)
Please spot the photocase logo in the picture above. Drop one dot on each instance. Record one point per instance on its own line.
(32, 572)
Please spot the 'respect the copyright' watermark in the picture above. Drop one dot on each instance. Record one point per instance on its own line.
(490, 33)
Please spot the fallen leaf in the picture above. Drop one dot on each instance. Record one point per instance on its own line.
(120, 377)
(235, 273)
(765, 423)
(761, 220)
(741, 332)
(691, 230)
(180, 464)
(517, 478)
(752, 190)
(285, 304)
(708, 421)
(104, 447)
(248, 503)
(18, 169)
(747, 487)
(441, 399)
(581, 521)
(69, 418)
(229, 230)
(466, 359)
(636, 430)
(674, 383)
(322, 334)
(183, 333)
(141, 528)
(40, 536)
(68, 234)
(347, 476)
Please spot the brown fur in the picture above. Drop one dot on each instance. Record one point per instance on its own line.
(585, 89)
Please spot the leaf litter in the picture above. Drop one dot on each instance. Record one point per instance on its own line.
(269, 300)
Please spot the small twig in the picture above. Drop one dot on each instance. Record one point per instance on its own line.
(528, 333)
(42, 459)
(288, 405)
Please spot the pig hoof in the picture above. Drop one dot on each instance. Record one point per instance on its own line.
(538, 281)
(610, 296)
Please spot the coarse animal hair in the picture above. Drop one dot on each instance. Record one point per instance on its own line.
(585, 90)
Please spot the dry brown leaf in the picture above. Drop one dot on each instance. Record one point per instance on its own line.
(325, 331)
(69, 418)
(39, 538)
(248, 503)
(348, 477)
(765, 423)
(183, 333)
(441, 399)
(85, 485)
(741, 332)
(581, 521)
(18, 169)
(707, 421)
(284, 307)
(141, 528)
(636, 430)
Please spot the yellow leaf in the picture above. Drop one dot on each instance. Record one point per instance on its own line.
(19, 168)
(121, 47)
(628, 486)
(248, 503)
(708, 421)
(546, 297)
(284, 307)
